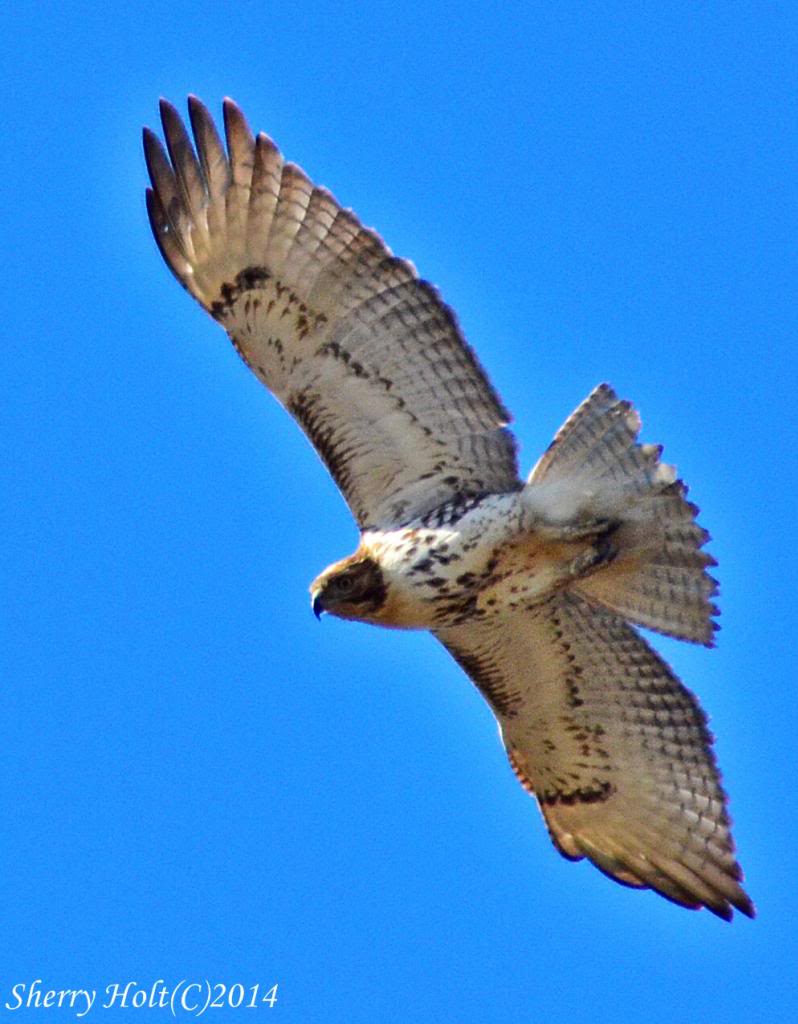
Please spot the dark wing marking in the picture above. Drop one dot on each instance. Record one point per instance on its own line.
(364, 355)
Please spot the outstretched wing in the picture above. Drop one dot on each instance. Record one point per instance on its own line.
(615, 749)
(362, 353)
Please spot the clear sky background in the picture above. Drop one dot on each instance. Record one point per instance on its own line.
(199, 780)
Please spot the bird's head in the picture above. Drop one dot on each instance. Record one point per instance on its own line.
(354, 588)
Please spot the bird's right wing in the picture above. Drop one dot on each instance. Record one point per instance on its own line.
(614, 748)
(364, 355)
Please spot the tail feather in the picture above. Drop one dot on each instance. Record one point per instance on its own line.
(598, 444)
(596, 469)
(659, 576)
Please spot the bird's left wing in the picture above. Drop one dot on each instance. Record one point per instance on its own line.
(362, 353)
(612, 745)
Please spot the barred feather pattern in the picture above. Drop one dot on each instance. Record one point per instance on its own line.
(614, 748)
(364, 354)
(595, 467)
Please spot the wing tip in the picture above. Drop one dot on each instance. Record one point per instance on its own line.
(167, 110)
(725, 907)
(155, 156)
(235, 124)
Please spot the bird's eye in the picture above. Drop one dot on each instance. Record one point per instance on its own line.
(344, 584)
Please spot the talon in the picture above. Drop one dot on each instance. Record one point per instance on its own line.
(599, 554)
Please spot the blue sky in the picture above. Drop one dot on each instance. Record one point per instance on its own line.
(198, 780)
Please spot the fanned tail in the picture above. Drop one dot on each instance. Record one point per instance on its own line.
(595, 469)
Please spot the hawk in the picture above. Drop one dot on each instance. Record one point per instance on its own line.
(534, 586)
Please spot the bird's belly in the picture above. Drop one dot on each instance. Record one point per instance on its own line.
(532, 569)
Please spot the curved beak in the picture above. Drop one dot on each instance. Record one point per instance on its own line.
(317, 603)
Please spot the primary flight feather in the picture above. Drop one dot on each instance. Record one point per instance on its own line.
(532, 585)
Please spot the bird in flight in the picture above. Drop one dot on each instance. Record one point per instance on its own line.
(534, 586)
